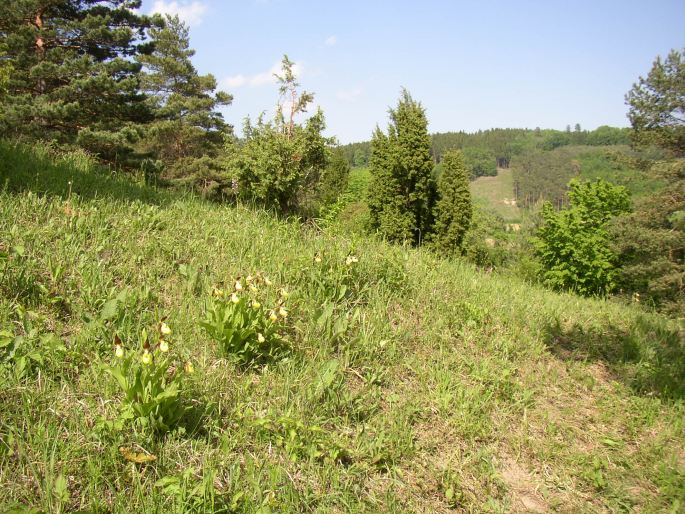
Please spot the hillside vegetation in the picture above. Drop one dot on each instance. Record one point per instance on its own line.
(404, 382)
(498, 194)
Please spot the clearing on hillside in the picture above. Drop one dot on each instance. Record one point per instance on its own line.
(498, 192)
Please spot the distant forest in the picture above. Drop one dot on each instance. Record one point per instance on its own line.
(500, 145)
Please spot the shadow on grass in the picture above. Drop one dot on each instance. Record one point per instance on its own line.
(45, 171)
(646, 354)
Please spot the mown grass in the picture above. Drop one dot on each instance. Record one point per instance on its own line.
(429, 387)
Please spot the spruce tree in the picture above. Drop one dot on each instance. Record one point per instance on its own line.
(73, 78)
(453, 210)
(401, 167)
(188, 131)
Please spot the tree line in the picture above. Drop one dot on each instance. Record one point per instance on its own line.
(97, 75)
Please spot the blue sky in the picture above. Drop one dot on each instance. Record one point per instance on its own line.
(473, 65)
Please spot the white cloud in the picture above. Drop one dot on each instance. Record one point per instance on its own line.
(236, 81)
(190, 12)
(259, 79)
(349, 95)
(330, 41)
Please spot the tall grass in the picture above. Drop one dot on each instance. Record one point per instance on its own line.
(412, 384)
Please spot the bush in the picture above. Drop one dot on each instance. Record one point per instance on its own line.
(573, 244)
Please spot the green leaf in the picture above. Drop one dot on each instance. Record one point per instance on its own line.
(110, 309)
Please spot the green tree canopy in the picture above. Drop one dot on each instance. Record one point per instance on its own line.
(187, 133)
(573, 243)
(657, 104)
(402, 189)
(280, 162)
(74, 79)
(453, 210)
(480, 161)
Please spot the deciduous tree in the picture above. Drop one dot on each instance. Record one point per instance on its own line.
(573, 243)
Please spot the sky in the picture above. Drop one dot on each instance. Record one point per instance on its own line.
(472, 64)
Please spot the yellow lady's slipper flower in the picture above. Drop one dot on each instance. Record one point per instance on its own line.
(267, 281)
(146, 358)
(188, 367)
(235, 298)
(163, 346)
(164, 329)
(283, 293)
(273, 316)
(253, 288)
(351, 259)
(217, 292)
(256, 305)
(282, 312)
(238, 285)
(260, 338)
(119, 351)
(249, 279)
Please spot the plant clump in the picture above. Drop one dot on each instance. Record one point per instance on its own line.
(248, 321)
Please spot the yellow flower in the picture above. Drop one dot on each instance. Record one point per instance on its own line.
(317, 258)
(164, 329)
(273, 316)
(217, 292)
(253, 288)
(119, 351)
(238, 285)
(267, 281)
(163, 346)
(260, 338)
(282, 312)
(249, 279)
(351, 259)
(256, 305)
(235, 298)
(188, 367)
(283, 293)
(146, 358)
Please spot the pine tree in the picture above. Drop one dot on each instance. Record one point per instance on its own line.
(401, 167)
(188, 131)
(5, 69)
(657, 104)
(453, 210)
(73, 78)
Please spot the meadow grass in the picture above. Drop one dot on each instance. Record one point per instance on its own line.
(412, 384)
(498, 193)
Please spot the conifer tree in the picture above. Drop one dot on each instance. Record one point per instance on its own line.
(73, 78)
(401, 167)
(453, 210)
(187, 132)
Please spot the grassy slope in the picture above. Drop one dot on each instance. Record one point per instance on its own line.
(498, 193)
(455, 390)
